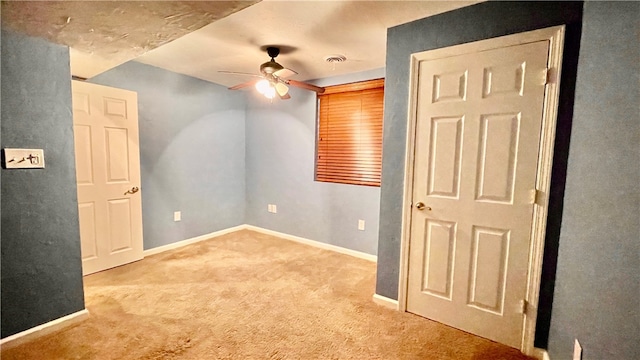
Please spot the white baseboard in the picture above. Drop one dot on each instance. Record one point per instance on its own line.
(193, 240)
(314, 243)
(298, 239)
(385, 301)
(44, 329)
(540, 354)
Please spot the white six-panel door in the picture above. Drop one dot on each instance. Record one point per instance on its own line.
(105, 124)
(478, 128)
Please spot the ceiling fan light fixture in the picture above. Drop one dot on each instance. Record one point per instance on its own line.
(262, 86)
(275, 79)
(270, 93)
(281, 89)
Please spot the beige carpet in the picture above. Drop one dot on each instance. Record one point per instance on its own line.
(247, 295)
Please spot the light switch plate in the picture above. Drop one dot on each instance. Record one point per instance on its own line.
(24, 159)
(361, 224)
(177, 216)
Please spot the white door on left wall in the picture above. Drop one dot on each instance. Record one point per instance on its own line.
(105, 126)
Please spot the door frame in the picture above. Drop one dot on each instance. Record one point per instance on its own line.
(555, 35)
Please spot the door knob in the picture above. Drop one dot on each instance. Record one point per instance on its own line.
(133, 190)
(422, 206)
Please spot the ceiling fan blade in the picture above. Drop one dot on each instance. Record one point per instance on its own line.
(281, 89)
(238, 73)
(284, 73)
(305, 85)
(244, 85)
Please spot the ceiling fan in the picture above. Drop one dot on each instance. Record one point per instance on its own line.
(274, 79)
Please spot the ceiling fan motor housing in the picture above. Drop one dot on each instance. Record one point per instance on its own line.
(270, 67)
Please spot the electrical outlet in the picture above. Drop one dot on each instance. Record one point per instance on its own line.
(177, 216)
(360, 224)
(577, 350)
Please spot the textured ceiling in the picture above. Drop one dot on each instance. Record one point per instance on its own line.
(104, 34)
(199, 38)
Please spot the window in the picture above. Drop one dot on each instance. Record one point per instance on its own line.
(349, 143)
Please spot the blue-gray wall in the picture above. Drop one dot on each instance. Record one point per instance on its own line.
(192, 148)
(281, 138)
(192, 152)
(596, 228)
(598, 274)
(40, 264)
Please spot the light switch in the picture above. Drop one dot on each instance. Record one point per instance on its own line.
(23, 158)
(360, 224)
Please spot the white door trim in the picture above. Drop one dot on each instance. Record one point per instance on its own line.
(555, 35)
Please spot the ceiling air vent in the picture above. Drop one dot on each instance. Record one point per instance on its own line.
(335, 58)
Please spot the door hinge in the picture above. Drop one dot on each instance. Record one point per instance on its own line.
(536, 197)
(524, 306)
(551, 76)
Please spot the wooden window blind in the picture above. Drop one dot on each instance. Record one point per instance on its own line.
(349, 144)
